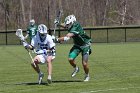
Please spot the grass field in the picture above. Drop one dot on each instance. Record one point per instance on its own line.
(114, 68)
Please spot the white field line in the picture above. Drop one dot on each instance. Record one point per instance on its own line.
(104, 90)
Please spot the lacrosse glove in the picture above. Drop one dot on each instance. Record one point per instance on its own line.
(26, 45)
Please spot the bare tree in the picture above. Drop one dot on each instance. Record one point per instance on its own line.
(30, 14)
(23, 12)
(123, 11)
(88, 12)
(105, 11)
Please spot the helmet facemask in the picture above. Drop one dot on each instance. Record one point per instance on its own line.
(32, 22)
(68, 25)
(42, 36)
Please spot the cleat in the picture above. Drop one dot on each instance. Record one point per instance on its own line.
(41, 75)
(86, 78)
(76, 70)
(49, 81)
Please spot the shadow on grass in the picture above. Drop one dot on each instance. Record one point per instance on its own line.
(66, 81)
(32, 83)
(45, 83)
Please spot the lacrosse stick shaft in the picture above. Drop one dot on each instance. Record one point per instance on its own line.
(54, 29)
(31, 58)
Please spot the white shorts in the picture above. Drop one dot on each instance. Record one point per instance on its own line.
(43, 58)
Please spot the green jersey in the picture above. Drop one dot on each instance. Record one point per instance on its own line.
(32, 30)
(80, 38)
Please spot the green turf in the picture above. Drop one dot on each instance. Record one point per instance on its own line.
(114, 68)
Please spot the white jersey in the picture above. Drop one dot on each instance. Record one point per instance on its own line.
(39, 45)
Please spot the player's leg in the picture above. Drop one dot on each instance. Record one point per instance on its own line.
(38, 60)
(85, 56)
(85, 66)
(49, 69)
(72, 55)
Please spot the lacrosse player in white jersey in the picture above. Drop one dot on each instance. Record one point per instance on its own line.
(45, 49)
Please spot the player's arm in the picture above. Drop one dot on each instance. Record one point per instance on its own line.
(51, 43)
(30, 46)
(66, 38)
(27, 34)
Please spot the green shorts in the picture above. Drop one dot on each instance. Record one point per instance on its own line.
(75, 50)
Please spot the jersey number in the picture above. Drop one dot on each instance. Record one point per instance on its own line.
(33, 31)
(43, 46)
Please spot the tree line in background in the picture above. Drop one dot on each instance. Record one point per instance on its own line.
(17, 13)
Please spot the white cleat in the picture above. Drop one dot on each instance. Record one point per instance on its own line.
(76, 70)
(86, 78)
(41, 75)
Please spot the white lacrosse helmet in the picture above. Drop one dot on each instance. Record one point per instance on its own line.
(70, 20)
(42, 30)
(32, 22)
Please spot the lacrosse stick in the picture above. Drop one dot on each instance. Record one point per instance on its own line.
(58, 17)
(31, 57)
(21, 37)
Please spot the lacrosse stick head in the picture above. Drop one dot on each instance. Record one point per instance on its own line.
(19, 34)
(57, 20)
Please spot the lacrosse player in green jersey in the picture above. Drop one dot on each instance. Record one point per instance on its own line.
(31, 30)
(82, 44)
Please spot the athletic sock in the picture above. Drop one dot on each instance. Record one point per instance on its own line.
(40, 73)
(87, 75)
(49, 77)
